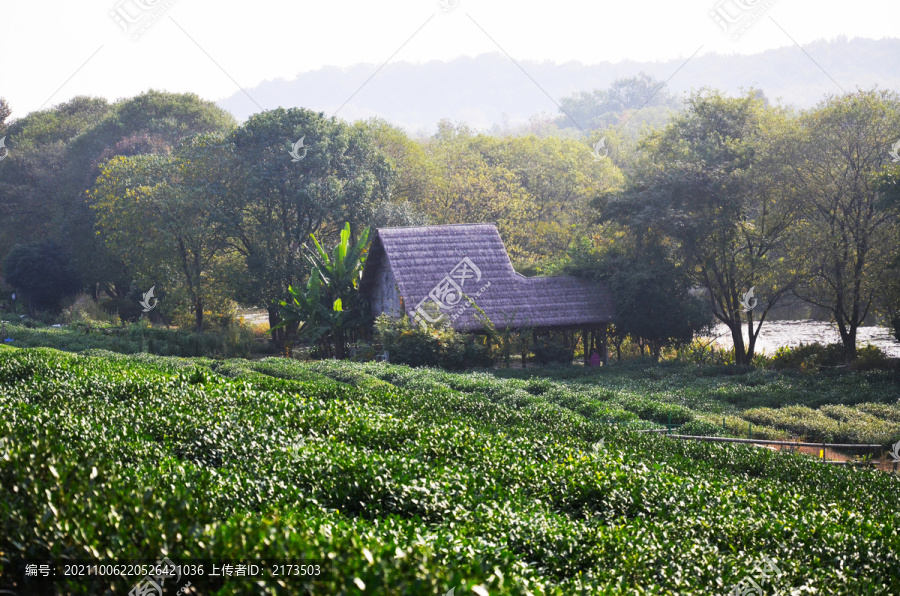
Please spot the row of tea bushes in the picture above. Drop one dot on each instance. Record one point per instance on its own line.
(409, 488)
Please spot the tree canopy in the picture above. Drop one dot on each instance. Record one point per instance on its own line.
(719, 197)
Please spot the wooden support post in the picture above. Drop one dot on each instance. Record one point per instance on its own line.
(604, 351)
(586, 342)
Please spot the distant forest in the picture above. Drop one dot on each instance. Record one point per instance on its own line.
(489, 92)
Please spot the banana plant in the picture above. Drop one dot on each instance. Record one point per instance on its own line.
(330, 306)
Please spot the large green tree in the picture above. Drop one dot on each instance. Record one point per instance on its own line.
(57, 157)
(560, 178)
(167, 217)
(152, 123)
(537, 190)
(849, 233)
(466, 187)
(282, 198)
(888, 185)
(652, 294)
(710, 184)
(35, 177)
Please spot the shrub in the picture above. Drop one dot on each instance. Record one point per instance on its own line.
(810, 358)
(433, 346)
(84, 309)
(29, 323)
(42, 270)
(794, 357)
(704, 351)
(551, 350)
(362, 352)
(871, 357)
(761, 361)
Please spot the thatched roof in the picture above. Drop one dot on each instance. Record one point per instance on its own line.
(428, 261)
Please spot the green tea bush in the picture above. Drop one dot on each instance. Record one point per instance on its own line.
(86, 335)
(422, 482)
(882, 411)
(700, 428)
(831, 423)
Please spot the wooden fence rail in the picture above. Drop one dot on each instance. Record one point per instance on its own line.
(785, 443)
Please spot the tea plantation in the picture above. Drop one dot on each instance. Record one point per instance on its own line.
(421, 482)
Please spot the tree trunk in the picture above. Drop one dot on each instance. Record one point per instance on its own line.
(751, 340)
(278, 335)
(198, 314)
(737, 337)
(339, 351)
(847, 330)
(850, 348)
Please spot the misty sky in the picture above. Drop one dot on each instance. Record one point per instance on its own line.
(54, 50)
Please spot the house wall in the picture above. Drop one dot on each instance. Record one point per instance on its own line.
(385, 298)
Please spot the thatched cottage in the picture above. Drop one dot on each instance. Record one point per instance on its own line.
(434, 272)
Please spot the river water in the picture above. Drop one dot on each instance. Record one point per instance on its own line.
(775, 334)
